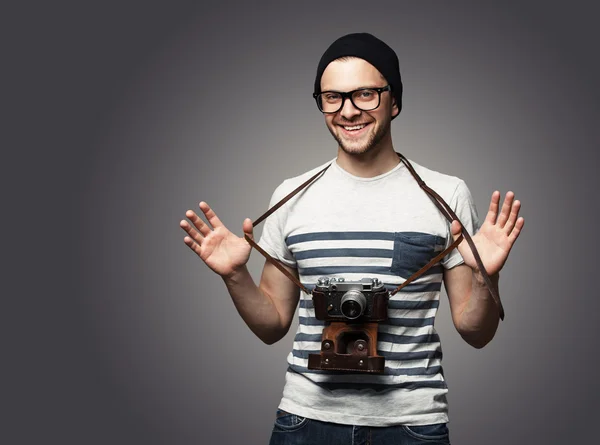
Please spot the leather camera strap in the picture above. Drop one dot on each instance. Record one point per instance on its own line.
(269, 258)
(450, 216)
(439, 203)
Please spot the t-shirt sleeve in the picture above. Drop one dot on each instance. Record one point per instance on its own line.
(464, 207)
(273, 235)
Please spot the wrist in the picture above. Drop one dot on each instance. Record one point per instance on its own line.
(479, 281)
(236, 274)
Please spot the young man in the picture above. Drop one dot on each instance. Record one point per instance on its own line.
(365, 216)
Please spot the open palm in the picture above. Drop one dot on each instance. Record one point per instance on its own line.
(497, 235)
(221, 250)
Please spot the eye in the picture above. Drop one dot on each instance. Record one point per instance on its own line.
(366, 94)
(332, 97)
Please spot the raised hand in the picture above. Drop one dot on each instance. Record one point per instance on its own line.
(497, 235)
(220, 249)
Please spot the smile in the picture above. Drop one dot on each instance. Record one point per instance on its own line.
(353, 129)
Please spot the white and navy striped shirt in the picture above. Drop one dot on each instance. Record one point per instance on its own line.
(383, 227)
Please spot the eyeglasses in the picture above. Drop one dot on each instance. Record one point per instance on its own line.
(365, 99)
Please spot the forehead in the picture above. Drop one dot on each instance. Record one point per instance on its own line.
(350, 74)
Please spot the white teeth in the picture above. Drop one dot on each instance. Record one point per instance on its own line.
(356, 127)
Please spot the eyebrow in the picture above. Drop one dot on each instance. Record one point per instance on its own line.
(372, 87)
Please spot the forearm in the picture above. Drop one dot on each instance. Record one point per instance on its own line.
(255, 307)
(479, 318)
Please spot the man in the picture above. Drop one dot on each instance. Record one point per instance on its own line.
(366, 216)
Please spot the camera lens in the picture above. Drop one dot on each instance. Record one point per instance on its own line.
(351, 309)
(353, 304)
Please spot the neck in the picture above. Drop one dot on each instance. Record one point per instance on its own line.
(376, 161)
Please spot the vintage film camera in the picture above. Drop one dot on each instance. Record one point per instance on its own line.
(353, 310)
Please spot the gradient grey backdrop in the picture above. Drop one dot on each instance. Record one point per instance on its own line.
(142, 110)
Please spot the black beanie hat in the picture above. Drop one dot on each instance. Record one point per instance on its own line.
(370, 48)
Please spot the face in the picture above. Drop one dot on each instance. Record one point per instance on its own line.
(357, 131)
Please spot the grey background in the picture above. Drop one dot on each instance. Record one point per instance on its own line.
(123, 116)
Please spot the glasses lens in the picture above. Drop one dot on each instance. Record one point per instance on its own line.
(329, 102)
(366, 99)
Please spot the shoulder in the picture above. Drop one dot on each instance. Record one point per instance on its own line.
(290, 184)
(454, 191)
(444, 184)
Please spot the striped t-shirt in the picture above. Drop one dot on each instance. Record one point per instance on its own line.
(384, 227)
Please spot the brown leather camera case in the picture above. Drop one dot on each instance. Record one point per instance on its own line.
(348, 347)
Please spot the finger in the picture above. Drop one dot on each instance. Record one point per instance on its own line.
(198, 223)
(492, 213)
(211, 216)
(192, 232)
(506, 206)
(516, 231)
(455, 229)
(248, 228)
(514, 215)
(192, 245)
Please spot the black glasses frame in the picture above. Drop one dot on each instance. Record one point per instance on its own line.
(348, 95)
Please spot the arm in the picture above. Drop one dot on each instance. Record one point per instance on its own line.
(473, 309)
(267, 309)
(474, 312)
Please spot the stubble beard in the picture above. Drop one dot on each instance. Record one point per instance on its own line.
(373, 140)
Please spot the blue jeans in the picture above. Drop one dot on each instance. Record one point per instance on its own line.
(290, 429)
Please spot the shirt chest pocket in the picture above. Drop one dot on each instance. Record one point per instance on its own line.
(413, 250)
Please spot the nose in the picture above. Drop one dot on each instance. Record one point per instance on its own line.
(348, 110)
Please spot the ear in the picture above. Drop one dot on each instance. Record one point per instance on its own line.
(395, 109)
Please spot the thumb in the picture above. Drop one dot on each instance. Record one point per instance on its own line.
(455, 229)
(248, 228)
